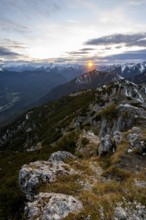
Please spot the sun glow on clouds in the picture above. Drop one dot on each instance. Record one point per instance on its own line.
(59, 29)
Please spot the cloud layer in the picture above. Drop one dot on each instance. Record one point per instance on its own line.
(4, 52)
(127, 39)
(73, 30)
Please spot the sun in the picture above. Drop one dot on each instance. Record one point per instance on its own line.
(90, 65)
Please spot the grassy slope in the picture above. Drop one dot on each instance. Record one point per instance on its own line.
(57, 114)
(116, 180)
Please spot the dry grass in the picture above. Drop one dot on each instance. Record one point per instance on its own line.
(108, 188)
(69, 185)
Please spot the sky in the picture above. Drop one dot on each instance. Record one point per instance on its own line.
(73, 31)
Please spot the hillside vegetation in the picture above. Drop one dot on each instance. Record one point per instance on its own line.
(105, 130)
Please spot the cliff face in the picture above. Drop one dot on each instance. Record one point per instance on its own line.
(81, 157)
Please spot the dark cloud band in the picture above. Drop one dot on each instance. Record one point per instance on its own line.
(5, 52)
(127, 39)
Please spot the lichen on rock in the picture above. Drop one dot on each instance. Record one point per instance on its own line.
(61, 156)
(106, 145)
(52, 206)
(35, 173)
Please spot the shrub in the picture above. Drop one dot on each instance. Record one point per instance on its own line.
(67, 142)
(117, 173)
(109, 112)
(84, 141)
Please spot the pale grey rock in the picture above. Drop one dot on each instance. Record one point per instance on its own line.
(132, 138)
(131, 211)
(117, 137)
(120, 213)
(106, 145)
(130, 151)
(137, 142)
(136, 129)
(61, 156)
(35, 173)
(35, 148)
(52, 206)
(140, 183)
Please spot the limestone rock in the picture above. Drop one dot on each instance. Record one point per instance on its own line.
(35, 173)
(137, 130)
(136, 141)
(132, 138)
(52, 206)
(140, 183)
(61, 156)
(131, 211)
(117, 137)
(120, 213)
(106, 145)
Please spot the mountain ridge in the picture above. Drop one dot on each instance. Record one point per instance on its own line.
(105, 131)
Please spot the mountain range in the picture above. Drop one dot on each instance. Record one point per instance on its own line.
(78, 157)
(26, 85)
(22, 86)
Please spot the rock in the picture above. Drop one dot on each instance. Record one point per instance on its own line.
(106, 145)
(132, 138)
(61, 156)
(52, 206)
(140, 147)
(130, 151)
(120, 213)
(32, 175)
(137, 143)
(117, 137)
(131, 211)
(136, 129)
(140, 183)
(35, 148)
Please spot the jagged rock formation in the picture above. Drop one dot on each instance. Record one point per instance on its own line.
(52, 206)
(137, 141)
(89, 80)
(119, 105)
(117, 137)
(110, 120)
(106, 145)
(30, 176)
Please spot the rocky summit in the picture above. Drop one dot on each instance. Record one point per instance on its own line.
(81, 157)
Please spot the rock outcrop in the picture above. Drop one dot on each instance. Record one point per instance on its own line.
(52, 206)
(35, 173)
(106, 145)
(117, 137)
(136, 141)
(47, 206)
(61, 156)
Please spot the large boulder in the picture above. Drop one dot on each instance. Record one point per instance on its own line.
(35, 173)
(52, 206)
